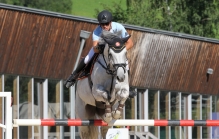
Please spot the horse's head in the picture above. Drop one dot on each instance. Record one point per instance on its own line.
(114, 54)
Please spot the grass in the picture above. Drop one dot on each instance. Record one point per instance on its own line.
(86, 8)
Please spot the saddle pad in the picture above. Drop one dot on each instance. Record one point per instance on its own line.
(88, 68)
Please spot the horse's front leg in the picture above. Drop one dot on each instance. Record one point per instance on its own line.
(103, 96)
(108, 113)
(122, 96)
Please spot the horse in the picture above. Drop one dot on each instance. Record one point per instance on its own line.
(103, 95)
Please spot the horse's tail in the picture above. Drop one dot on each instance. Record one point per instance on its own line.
(94, 132)
(89, 132)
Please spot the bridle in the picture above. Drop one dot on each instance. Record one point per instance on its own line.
(115, 66)
(110, 71)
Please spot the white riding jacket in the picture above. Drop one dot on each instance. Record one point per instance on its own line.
(115, 27)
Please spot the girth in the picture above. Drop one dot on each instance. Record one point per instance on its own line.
(99, 104)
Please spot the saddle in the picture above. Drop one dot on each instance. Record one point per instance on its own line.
(87, 70)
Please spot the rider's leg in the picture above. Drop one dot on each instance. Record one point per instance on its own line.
(89, 56)
(73, 77)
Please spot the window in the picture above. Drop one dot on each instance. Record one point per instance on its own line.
(153, 109)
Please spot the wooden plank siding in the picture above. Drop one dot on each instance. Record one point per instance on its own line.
(171, 63)
(39, 45)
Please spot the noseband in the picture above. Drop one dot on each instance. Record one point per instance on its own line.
(115, 66)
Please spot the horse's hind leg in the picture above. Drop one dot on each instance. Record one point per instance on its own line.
(84, 111)
(104, 130)
(88, 132)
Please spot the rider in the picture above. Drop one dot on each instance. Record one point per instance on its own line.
(105, 23)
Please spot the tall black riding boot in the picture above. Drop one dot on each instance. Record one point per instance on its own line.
(132, 92)
(73, 77)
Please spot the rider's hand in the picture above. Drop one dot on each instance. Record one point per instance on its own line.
(99, 48)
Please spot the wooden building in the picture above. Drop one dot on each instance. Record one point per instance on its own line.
(44, 45)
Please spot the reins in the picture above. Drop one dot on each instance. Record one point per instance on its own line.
(111, 72)
(108, 71)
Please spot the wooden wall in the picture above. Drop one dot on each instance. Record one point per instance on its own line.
(172, 63)
(40, 45)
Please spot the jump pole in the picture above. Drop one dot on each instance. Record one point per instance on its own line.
(125, 122)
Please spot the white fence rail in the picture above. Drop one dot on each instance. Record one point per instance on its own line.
(8, 112)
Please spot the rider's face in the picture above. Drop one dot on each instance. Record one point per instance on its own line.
(106, 26)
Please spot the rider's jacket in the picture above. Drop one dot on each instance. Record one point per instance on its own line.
(115, 27)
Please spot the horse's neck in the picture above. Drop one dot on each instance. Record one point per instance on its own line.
(104, 60)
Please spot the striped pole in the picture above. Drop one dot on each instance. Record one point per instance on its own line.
(58, 122)
(125, 122)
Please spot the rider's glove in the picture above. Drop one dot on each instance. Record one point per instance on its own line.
(100, 48)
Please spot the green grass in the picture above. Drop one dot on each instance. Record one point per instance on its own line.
(86, 8)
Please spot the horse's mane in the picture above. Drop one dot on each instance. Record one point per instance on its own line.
(107, 35)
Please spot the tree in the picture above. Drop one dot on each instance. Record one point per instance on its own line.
(62, 6)
(138, 12)
(197, 17)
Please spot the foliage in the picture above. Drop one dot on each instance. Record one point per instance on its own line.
(119, 14)
(82, 8)
(139, 12)
(197, 17)
(63, 6)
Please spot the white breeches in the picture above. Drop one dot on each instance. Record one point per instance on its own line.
(89, 56)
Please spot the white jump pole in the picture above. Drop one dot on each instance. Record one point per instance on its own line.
(78, 122)
(8, 116)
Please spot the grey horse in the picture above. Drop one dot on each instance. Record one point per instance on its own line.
(105, 98)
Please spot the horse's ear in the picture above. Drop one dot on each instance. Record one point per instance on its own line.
(126, 38)
(109, 41)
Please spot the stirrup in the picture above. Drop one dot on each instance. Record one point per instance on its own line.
(69, 83)
(71, 80)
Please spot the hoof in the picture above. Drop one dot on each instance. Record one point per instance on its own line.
(116, 114)
(108, 117)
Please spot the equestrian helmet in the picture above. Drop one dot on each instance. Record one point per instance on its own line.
(104, 17)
